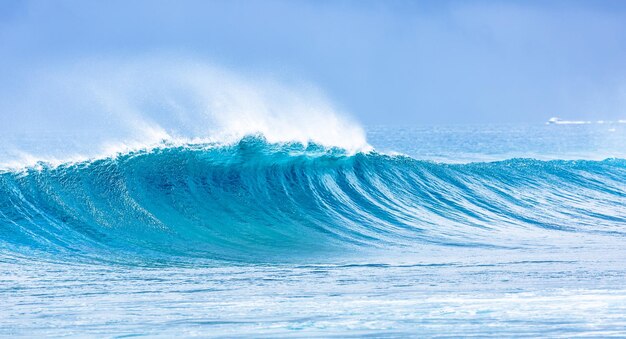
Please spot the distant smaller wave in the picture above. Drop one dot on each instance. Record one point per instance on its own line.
(559, 121)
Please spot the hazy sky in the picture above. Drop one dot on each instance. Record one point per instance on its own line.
(396, 62)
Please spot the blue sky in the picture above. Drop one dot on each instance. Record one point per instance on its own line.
(393, 62)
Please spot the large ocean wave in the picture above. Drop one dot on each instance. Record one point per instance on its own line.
(261, 201)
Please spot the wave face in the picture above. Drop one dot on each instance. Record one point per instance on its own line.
(258, 201)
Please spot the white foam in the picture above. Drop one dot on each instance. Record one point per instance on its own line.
(95, 108)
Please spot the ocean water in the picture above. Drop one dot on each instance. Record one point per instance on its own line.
(457, 230)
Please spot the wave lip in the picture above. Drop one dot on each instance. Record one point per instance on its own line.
(260, 201)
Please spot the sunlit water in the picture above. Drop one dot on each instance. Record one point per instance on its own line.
(274, 240)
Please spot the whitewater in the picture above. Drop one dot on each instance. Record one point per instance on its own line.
(197, 202)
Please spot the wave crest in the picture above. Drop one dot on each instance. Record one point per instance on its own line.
(262, 201)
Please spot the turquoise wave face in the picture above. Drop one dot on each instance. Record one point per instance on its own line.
(260, 202)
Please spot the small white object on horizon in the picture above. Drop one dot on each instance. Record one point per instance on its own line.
(557, 121)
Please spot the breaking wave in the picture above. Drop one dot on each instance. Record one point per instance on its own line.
(260, 201)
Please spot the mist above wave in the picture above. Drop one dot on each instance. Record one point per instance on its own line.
(98, 108)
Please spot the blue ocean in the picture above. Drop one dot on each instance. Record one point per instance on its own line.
(434, 230)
